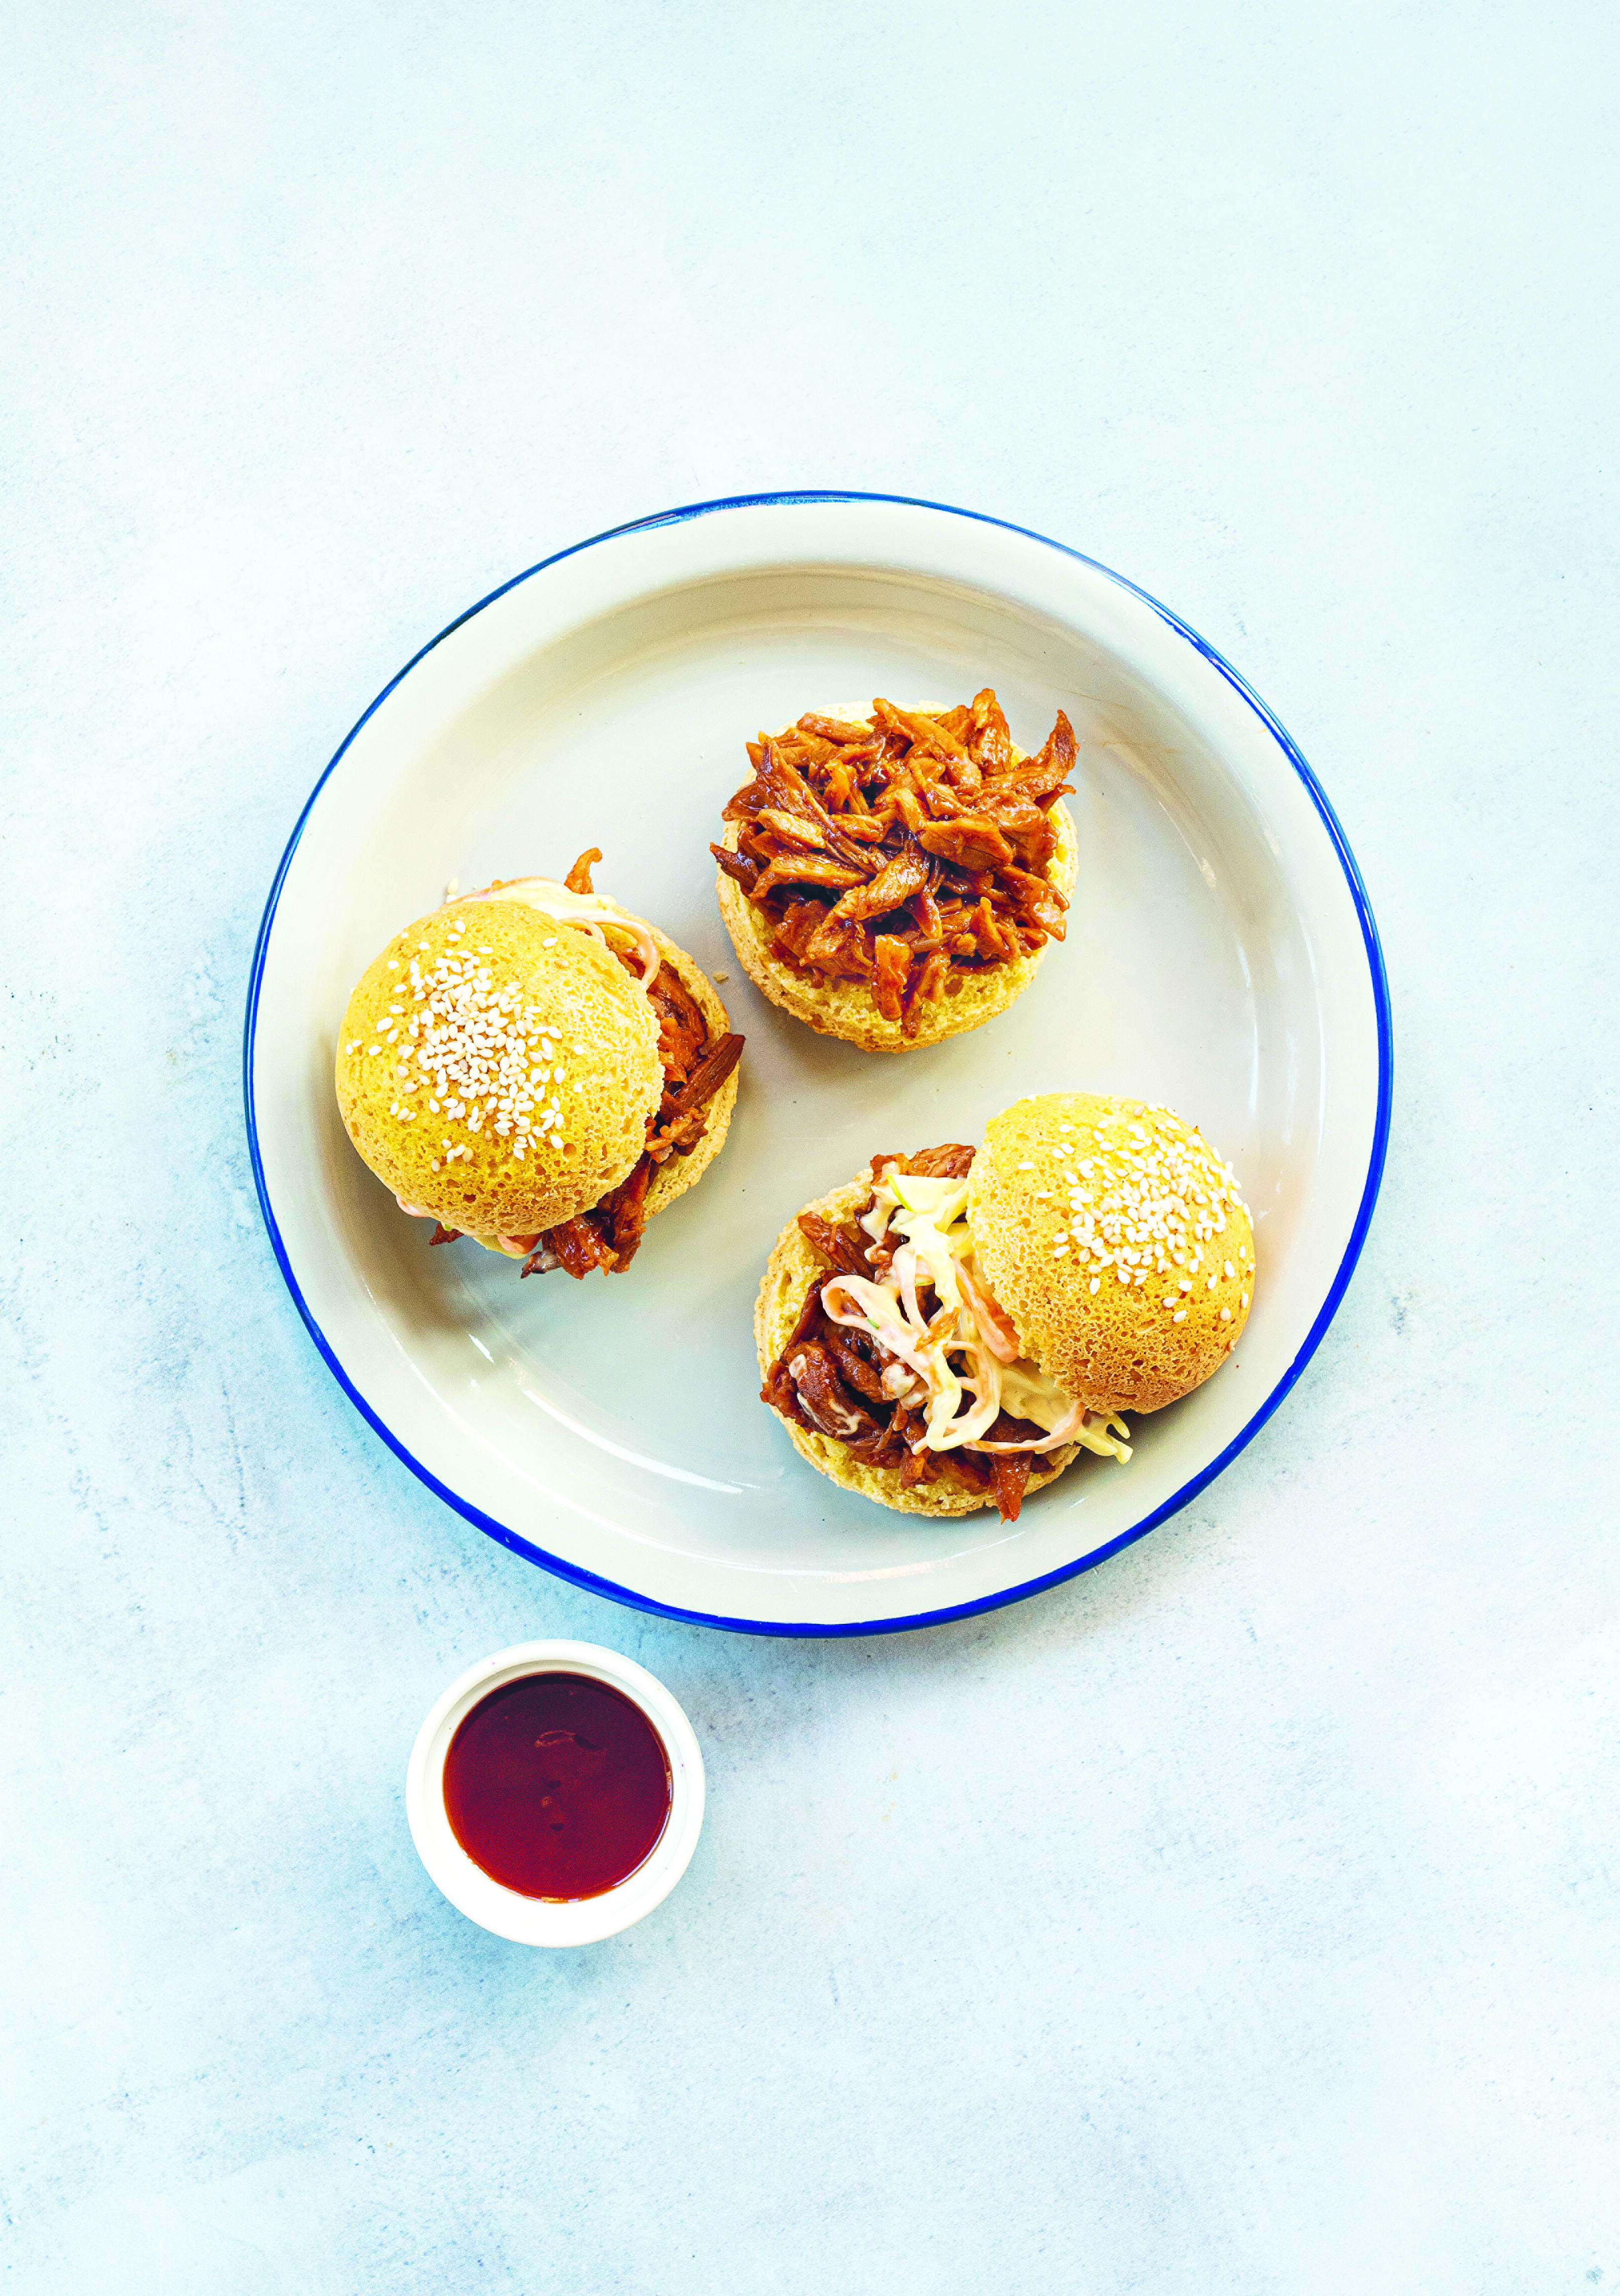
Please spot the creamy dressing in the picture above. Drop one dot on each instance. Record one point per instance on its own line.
(961, 1406)
(588, 912)
(515, 1247)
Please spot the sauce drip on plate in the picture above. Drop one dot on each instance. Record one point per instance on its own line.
(557, 1785)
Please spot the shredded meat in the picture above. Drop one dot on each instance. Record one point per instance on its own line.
(1011, 1470)
(682, 1029)
(845, 1246)
(906, 853)
(609, 1235)
(577, 1245)
(845, 1385)
(953, 1161)
(824, 1399)
(861, 1362)
(890, 962)
(682, 1107)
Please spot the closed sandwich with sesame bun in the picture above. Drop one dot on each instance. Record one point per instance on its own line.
(953, 1331)
(537, 1068)
(896, 879)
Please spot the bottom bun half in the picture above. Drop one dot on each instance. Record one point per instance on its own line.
(793, 1266)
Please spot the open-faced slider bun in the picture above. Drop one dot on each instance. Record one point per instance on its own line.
(896, 879)
(536, 1067)
(950, 1333)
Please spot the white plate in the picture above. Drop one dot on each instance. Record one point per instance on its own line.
(1221, 957)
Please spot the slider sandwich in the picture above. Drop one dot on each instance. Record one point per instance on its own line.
(950, 1333)
(535, 1068)
(896, 879)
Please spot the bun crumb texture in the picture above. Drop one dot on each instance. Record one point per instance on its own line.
(1118, 1242)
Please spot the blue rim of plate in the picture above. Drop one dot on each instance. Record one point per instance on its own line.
(1188, 1491)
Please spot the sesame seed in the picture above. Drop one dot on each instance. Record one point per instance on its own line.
(1226, 1315)
(1096, 1279)
(551, 943)
(1231, 1271)
(1180, 1317)
(1245, 1300)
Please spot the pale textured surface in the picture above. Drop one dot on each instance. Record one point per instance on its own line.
(1239, 1918)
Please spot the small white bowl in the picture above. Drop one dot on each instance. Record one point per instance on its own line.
(544, 1921)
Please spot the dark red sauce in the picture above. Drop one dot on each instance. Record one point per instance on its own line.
(557, 1785)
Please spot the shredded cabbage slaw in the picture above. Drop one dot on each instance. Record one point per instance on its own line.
(963, 1403)
(586, 912)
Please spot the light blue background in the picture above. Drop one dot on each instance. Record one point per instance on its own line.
(1239, 1918)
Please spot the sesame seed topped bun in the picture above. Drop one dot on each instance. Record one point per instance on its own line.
(495, 994)
(1117, 1240)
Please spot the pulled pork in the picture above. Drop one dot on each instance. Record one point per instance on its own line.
(905, 853)
(843, 1383)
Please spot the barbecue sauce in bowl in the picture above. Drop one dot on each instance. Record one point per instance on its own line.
(557, 1785)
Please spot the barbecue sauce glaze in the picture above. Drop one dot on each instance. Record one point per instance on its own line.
(557, 1785)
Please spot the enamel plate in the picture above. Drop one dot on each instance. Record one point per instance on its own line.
(1221, 957)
